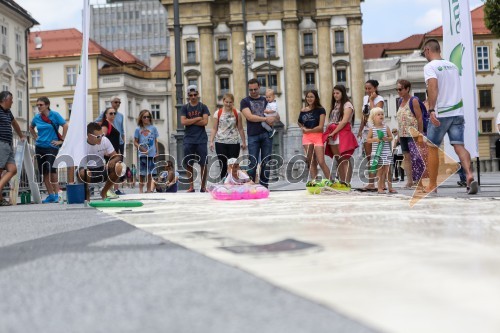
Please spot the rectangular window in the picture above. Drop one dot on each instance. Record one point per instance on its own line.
(485, 99)
(155, 111)
(483, 58)
(69, 107)
(271, 45)
(386, 109)
(71, 76)
(341, 76)
(223, 49)
(308, 44)
(260, 47)
(310, 81)
(5, 87)
(192, 81)
(191, 52)
(20, 103)
(36, 78)
(130, 112)
(19, 53)
(421, 96)
(4, 41)
(262, 80)
(265, 46)
(339, 42)
(224, 85)
(486, 126)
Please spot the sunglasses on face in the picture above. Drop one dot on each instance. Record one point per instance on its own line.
(146, 117)
(193, 95)
(39, 105)
(111, 113)
(116, 102)
(96, 136)
(256, 89)
(400, 89)
(422, 54)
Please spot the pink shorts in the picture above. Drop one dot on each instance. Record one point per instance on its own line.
(315, 139)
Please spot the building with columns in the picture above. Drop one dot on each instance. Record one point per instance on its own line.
(293, 45)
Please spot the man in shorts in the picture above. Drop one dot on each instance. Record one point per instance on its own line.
(194, 115)
(446, 113)
(7, 161)
(97, 171)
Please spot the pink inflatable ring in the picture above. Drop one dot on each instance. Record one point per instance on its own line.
(238, 192)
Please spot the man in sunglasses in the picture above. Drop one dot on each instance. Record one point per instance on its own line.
(119, 124)
(194, 115)
(260, 145)
(97, 171)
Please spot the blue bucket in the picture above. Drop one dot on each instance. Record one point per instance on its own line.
(75, 193)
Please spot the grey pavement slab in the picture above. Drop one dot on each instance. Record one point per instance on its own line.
(65, 268)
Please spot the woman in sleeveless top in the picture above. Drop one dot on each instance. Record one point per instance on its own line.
(109, 130)
(227, 135)
(341, 142)
(371, 100)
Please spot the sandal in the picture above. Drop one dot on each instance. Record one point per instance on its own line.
(393, 191)
(191, 190)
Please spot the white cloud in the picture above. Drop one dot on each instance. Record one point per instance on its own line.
(430, 20)
(55, 14)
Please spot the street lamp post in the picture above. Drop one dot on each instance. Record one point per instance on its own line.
(179, 137)
(244, 16)
(268, 50)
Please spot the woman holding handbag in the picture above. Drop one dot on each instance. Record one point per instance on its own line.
(48, 141)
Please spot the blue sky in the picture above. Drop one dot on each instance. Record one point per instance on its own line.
(383, 20)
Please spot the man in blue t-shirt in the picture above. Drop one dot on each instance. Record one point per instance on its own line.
(7, 160)
(259, 142)
(194, 115)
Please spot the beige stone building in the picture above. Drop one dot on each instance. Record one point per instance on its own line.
(294, 46)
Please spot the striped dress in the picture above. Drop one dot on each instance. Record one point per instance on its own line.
(386, 155)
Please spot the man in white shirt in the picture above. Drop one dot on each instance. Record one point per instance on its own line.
(446, 112)
(97, 171)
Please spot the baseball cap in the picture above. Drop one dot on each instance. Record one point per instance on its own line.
(232, 161)
(192, 88)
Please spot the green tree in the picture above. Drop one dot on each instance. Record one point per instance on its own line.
(492, 20)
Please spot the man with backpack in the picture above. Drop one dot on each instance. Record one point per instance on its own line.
(194, 115)
(446, 112)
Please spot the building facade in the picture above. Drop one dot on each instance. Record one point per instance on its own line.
(53, 73)
(137, 26)
(15, 23)
(294, 46)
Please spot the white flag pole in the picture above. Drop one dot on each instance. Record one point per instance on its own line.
(74, 149)
(459, 49)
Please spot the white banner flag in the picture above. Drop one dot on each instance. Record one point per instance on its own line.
(458, 48)
(74, 148)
